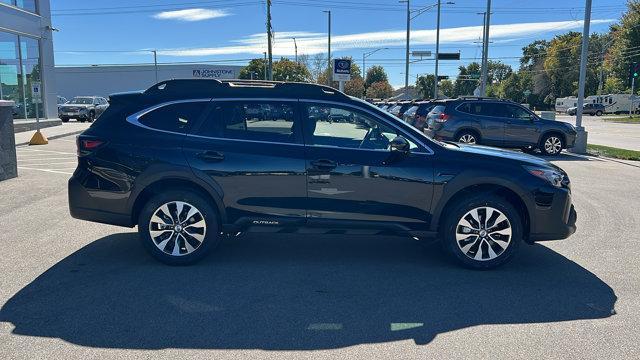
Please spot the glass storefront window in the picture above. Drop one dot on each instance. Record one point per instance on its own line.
(19, 68)
(28, 5)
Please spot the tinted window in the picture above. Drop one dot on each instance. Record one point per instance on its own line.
(175, 117)
(259, 121)
(411, 111)
(480, 108)
(346, 128)
(515, 112)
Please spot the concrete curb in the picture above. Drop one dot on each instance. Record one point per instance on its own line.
(55, 137)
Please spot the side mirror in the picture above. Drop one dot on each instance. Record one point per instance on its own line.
(399, 145)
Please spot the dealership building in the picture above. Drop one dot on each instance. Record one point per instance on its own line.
(26, 57)
(102, 80)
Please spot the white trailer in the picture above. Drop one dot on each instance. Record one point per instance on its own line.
(562, 104)
(619, 103)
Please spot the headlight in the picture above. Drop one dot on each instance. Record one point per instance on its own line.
(553, 177)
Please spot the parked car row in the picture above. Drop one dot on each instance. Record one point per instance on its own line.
(487, 121)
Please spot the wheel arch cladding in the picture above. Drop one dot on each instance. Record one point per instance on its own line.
(164, 185)
(497, 189)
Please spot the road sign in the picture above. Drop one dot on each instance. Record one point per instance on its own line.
(341, 69)
(425, 53)
(449, 56)
(443, 77)
(36, 92)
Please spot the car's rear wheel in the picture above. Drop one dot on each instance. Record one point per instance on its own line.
(92, 116)
(467, 137)
(551, 144)
(64, 120)
(178, 227)
(482, 232)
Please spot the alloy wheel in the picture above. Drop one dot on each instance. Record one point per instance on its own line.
(553, 145)
(177, 228)
(467, 139)
(483, 233)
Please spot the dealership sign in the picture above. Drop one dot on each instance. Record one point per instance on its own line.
(341, 69)
(213, 73)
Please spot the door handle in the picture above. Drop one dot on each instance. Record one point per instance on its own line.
(324, 164)
(211, 156)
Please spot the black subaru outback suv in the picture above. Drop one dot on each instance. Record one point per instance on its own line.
(188, 161)
(495, 122)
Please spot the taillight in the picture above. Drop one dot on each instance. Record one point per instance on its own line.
(442, 118)
(87, 145)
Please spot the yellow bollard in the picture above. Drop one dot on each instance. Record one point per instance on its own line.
(38, 139)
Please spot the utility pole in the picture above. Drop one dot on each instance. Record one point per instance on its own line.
(435, 84)
(265, 64)
(580, 146)
(269, 38)
(295, 45)
(329, 74)
(485, 50)
(155, 62)
(406, 63)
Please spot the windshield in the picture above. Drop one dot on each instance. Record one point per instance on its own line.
(81, 100)
(411, 111)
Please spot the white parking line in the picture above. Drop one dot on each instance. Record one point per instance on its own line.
(40, 158)
(46, 170)
(53, 163)
(45, 151)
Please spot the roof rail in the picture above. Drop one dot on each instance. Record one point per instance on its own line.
(215, 87)
(483, 98)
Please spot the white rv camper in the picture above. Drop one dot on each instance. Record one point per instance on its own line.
(613, 103)
(562, 104)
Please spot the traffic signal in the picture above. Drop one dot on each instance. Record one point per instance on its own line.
(634, 70)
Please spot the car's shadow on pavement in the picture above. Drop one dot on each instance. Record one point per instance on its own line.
(294, 292)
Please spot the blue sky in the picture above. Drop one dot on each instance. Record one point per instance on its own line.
(231, 32)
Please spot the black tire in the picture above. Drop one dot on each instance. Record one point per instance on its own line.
(64, 120)
(599, 113)
(211, 234)
(467, 137)
(554, 150)
(529, 149)
(454, 247)
(81, 120)
(92, 116)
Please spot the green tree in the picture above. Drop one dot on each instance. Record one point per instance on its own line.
(465, 84)
(379, 90)
(375, 74)
(287, 70)
(256, 66)
(624, 47)
(446, 88)
(425, 84)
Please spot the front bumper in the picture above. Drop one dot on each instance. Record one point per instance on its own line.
(554, 219)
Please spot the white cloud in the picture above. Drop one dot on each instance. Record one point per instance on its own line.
(313, 43)
(191, 14)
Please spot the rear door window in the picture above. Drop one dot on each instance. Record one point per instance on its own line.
(258, 121)
(177, 117)
(480, 108)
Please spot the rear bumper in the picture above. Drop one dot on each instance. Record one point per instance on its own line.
(83, 206)
(554, 222)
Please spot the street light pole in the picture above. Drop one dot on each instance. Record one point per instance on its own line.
(265, 64)
(406, 64)
(580, 146)
(435, 84)
(328, 46)
(155, 62)
(485, 50)
(295, 45)
(269, 38)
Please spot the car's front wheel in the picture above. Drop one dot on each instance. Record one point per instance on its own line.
(178, 227)
(599, 113)
(551, 144)
(482, 232)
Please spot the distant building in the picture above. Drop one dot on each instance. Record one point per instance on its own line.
(102, 80)
(26, 56)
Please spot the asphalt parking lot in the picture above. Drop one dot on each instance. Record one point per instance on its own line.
(620, 135)
(79, 290)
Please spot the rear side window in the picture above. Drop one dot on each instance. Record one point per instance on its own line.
(479, 108)
(272, 121)
(178, 117)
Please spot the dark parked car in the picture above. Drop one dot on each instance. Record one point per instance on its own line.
(399, 109)
(416, 115)
(189, 160)
(500, 123)
(588, 109)
(82, 108)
